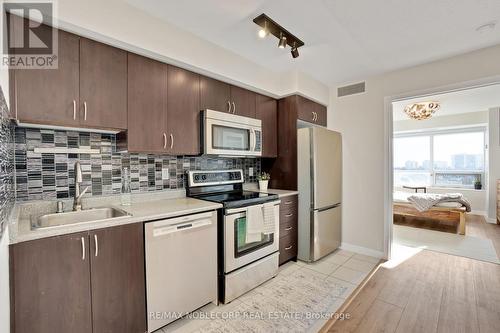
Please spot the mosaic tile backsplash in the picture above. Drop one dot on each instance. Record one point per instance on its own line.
(6, 164)
(42, 176)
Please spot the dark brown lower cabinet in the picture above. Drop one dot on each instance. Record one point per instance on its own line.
(89, 282)
(288, 228)
(118, 281)
(50, 285)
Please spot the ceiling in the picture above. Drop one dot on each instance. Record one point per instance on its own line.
(463, 101)
(346, 40)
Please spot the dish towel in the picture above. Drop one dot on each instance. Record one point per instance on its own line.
(255, 224)
(269, 219)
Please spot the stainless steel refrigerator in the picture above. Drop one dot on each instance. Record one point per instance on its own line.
(319, 161)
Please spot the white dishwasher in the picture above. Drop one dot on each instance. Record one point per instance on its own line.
(181, 266)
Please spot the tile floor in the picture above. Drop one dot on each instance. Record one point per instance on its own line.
(301, 298)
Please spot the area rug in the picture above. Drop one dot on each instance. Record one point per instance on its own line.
(300, 302)
(464, 246)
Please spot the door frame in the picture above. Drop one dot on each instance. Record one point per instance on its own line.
(388, 133)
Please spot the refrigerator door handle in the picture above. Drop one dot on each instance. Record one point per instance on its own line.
(322, 209)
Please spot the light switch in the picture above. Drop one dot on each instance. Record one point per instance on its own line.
(250, 172)
(164, 174)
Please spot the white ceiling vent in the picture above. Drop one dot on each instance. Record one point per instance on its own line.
(352, 89)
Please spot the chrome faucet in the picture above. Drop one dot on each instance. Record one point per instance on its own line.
(77, 201)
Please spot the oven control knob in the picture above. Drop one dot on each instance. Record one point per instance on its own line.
(196, 177)
(204, 177)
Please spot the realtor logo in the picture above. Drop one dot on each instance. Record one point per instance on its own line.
(29, 39)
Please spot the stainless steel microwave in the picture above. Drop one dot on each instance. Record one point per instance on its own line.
(227, 134)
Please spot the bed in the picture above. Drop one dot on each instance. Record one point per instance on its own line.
(446, 211)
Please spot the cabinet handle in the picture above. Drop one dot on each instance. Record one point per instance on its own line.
(164, 141)
(288, 202)
(85, 111)
(74, 110)
(312, 112)
(83, 248)
(234, 108)
(288, 248)
(96, 245)
(171, 141)
(288, 229)
(229, 106)
(289, 215)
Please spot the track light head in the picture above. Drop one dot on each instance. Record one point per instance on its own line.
(295, 51)
(263, 32)
(282, 42)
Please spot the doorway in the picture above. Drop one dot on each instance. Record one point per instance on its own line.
(443, 170)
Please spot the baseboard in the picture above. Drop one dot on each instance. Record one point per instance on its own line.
(490, 220)
(479, 212)
(362, 250)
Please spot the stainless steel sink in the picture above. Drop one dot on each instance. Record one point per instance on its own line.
(82, 216)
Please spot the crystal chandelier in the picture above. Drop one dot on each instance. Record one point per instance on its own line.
(421, 110)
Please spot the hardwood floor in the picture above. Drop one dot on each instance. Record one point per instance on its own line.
(475, 226)
(429, 292)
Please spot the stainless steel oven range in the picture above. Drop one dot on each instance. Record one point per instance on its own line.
(242, 265)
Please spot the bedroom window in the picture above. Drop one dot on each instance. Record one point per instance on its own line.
(451, 158)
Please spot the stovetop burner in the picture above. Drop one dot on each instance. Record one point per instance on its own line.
(225, 187)
(238, 198)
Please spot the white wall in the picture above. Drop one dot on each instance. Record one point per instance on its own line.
(494, 162)
(119, 24)
(360, 118)
(456, 120)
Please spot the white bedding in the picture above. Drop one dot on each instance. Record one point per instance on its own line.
(402, 197)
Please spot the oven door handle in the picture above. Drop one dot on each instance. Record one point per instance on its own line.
(231, 211)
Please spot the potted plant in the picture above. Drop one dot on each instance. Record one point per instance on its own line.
(263, 180)
(478, 185)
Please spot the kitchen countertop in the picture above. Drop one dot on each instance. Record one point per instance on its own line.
(143, 208)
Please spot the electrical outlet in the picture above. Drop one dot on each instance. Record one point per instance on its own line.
(164, 174)
(250, 172)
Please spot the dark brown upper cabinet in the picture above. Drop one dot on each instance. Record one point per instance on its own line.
(83, 282)
(267, 112)
(103, 85)
(183, 112)
(242, 102)
(147, 105)
(118, 282)
(48, 97)
(220, 96)
(290, 109)
(321, 113)
(311, 111)
(214, 95)
(88, 88)
(50, 285)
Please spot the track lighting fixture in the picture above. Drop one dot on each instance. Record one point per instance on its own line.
(295, 51)
(282, 42)
(268, 26)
